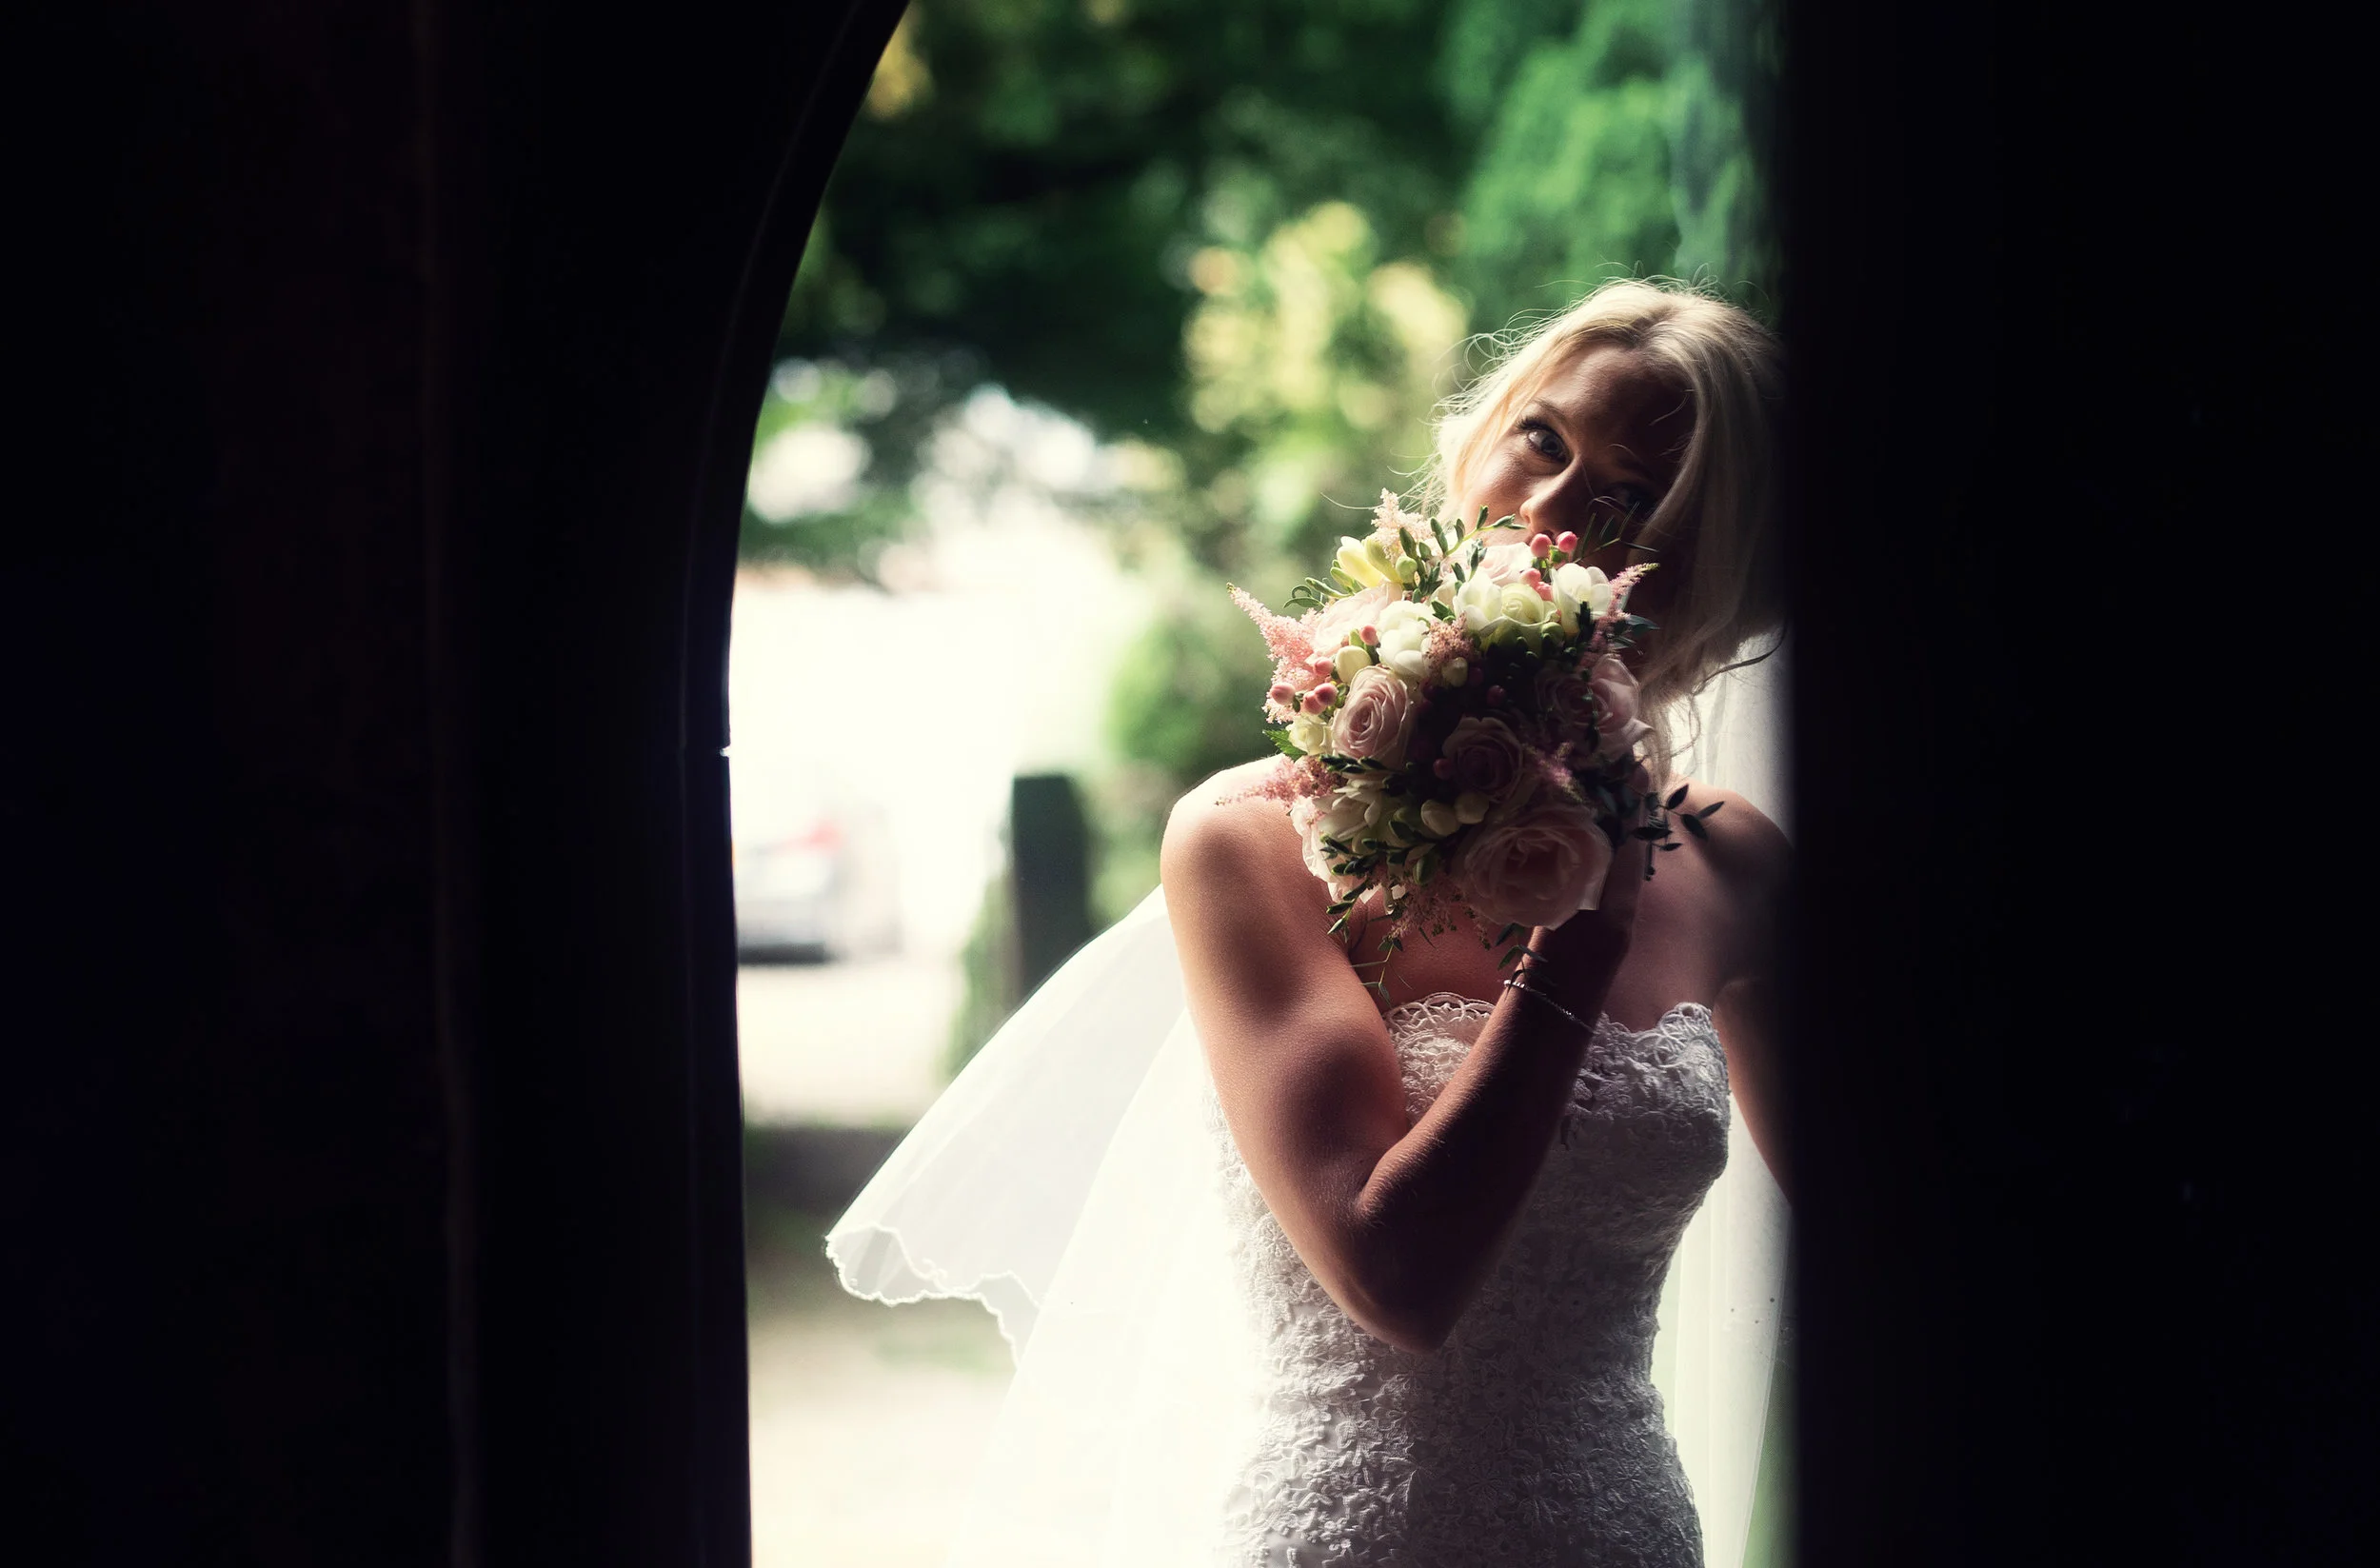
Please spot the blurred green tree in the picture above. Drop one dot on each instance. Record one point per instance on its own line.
(1092, 202)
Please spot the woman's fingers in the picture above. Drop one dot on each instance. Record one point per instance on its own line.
(1626, 880)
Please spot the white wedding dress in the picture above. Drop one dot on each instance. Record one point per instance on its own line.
(1187, 1394)
(1534, 1434)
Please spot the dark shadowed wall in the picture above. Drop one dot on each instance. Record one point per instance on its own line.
(2078, 615)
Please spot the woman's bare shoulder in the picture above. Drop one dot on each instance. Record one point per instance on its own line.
(1220, 830)
(1251, 922)
(1749, 853)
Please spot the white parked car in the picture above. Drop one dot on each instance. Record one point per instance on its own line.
(815, 877)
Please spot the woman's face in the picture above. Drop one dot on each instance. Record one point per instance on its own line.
(1592, 452)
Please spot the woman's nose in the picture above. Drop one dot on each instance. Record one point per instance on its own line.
(1559, 501)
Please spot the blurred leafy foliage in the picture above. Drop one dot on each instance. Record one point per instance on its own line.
(1250, 233)
(1249, 238)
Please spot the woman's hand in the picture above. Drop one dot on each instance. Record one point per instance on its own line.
(1575, 961)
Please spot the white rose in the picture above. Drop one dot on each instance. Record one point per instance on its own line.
(1310, 734)
(1524, 606)
(1349, 662)
(1538, 867)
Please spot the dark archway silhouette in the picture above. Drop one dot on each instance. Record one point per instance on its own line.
(372, 1153)
(377, 1165)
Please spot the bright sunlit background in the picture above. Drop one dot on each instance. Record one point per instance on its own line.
(1110, 302)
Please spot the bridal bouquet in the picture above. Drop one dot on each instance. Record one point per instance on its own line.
(1458, 728)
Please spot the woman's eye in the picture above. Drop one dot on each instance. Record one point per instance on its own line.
(1541, 439)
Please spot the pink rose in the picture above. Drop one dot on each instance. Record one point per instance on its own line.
(1538, 867)
(1482, 757)
(1503, 563)
(1615, 695)
(1329, 626)
(1568, 703)
(1377, 719)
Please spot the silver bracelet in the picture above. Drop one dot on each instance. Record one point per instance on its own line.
(1514, 984)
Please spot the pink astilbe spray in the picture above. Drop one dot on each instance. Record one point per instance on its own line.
(1621, 586)
(1288, 640)
(1600, 643)
(1291, 643)
(1287, 782)
(1450, 640)
(1390, 515)
(1552, 768)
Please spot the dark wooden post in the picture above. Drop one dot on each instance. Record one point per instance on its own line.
(1049, 850)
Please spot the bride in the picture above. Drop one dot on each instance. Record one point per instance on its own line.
(1301, 1272)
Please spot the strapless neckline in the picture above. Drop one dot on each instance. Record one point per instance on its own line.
(1438, 1003)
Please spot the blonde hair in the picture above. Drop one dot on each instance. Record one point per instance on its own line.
(1716, 531)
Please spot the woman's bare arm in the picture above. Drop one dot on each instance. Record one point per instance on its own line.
(1752, 859)
(1400, 1220)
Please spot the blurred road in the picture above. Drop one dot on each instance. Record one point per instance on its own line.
(867, 1420)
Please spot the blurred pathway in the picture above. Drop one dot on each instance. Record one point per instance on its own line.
(866, 1420)
(853, 1044)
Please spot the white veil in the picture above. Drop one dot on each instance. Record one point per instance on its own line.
(1066, 1181)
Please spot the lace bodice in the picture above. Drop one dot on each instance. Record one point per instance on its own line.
(1534, 1435)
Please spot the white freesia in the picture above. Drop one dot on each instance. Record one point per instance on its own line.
(1364, 562)
(1438, 819)
(1480, 604)
(1404, 628)
(1581, 590)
